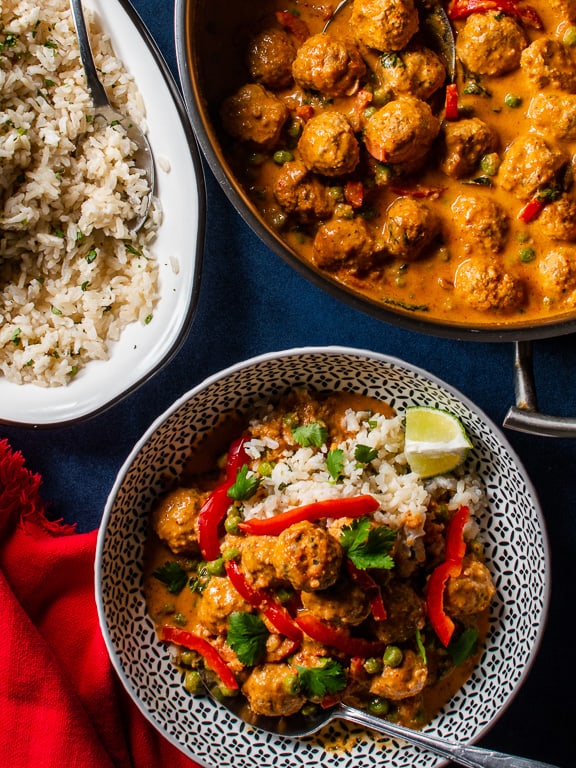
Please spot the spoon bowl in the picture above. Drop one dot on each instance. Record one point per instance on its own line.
(298, 726)
(106, 114)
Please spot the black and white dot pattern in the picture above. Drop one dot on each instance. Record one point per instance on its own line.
(512, 531)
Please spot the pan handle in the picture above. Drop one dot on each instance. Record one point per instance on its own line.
(524, 416)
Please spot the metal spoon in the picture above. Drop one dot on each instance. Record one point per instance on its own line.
(434, 24)
(298, 726)
(105, 112)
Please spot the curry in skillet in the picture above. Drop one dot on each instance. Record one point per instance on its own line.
(454, 200)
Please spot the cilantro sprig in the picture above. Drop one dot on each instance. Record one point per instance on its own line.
(314, 434)
(172, 575)
(335, 463)
(364, 454)
(368, 547)
(247, 635)
(317, 682)
(245, 486)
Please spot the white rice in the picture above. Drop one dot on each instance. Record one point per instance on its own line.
(72, 275)
(301, 477)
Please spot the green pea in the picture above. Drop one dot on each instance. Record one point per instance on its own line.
(215, 567)
(490, 163)
(379, 706)
(336, 194)
(309, 709)
(291, 684)
(369, 111)
(393, 656)
(265, 468)
(373, 666)
(527, 255)
(344, 211)
(232, 522)
(294, 129)
(279, 220)
(180, 619)
(193, 682)
(230, 553)
(284, 594)
(282, 156)
(569, 37)
(512, 101)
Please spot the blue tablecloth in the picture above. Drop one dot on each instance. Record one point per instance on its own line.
(251, 302)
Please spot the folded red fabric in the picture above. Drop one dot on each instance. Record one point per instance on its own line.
(61, 702)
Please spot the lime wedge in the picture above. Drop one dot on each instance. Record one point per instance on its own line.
(435, 441)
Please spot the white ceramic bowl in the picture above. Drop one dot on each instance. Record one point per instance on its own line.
(512, 532)
(142, 349)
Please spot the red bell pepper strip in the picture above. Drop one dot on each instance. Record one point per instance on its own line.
(531, 210)
(293, 24)
(276, 614)
(460, 9)
(214, 509)
(193, 642)
(338, 637)
(451, 105)
(451, 568)
(455, 544)
(371, 588)
(441, 623)
(353, 506)
(305, 112)
(354, 193)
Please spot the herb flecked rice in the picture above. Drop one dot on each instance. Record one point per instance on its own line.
(72, 275)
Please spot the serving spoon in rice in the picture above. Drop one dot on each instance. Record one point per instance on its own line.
(105, 112)
(297, 726)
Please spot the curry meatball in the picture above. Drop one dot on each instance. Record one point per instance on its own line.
(307, 556)
(253, 114)
(257, 560)
(343, 244)
(471, 592)
(406, 613)
(175, 517)
(270, 57)
(387, 25)
(266, 691)
(490, 43)
(547, 62)
(481, 222)
(410, 228)
(328, 145)
(484, 284)
(330, 66)
(558, 219)
(302, 193)
(554, 114)
(465, 143)
(417, 71)
(401, 131)
(529, 164)
(218, 600)
(344, 603)
(558, 272)
(407, 679)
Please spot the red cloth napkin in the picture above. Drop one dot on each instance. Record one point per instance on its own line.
(61, 703)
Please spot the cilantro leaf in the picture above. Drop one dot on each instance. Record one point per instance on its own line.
(368, 547)
(317, 682)
(245, 486)
(462, 647)
(247, 635)
(310, 434)
(364, 454)
(335, 462)
(172, 575)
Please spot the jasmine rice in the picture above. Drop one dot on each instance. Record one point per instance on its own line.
(72, 275)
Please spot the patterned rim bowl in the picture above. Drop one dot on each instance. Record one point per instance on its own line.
(512, 531)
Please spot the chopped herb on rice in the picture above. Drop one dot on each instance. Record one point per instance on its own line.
(71, 274)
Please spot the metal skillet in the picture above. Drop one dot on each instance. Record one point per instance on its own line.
(203, 91)
(298, 726)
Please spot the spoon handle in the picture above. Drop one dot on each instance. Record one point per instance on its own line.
(470, 757)
(96, 88)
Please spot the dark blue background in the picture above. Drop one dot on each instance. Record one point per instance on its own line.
(251, 302)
